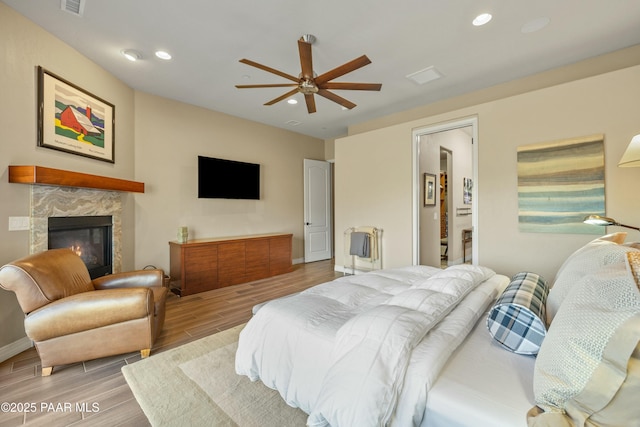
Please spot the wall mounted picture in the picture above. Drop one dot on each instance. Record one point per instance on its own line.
(429, 189)
(559, 183)
(467, 190)
(73, 120)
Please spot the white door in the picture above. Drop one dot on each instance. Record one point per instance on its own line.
(317, 210)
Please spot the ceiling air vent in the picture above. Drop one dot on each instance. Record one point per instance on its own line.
(425, 76)
(73, 6)
(293, 123)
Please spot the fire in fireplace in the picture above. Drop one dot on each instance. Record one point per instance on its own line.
(90, 237)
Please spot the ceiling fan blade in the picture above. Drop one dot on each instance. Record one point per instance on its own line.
(267, 85)
(335, 98)
(306, 62)
(343, 69)
(311, 103)
(351, 86)
(270, 70)
(280, 98)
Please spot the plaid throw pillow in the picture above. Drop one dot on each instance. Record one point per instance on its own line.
(517, 319)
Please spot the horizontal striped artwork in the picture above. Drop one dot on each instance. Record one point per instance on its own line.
(559, 183)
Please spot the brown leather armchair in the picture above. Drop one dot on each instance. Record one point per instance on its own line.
(72, 318)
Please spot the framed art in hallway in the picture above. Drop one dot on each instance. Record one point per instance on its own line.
(467, 190)
(429, 189)
(73, 120)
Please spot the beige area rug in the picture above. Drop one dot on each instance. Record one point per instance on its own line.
(196, 385)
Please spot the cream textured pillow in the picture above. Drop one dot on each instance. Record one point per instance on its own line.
(591, 257)
(587, 362)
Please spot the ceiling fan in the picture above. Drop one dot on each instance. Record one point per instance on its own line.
(309, 84)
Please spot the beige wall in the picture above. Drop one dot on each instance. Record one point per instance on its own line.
(24, 46)
(169, 137)
(373, 169)
(329, 149)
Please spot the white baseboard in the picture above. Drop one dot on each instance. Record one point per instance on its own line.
(16, 347)
(298, 261)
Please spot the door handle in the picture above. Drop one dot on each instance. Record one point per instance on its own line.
(307, 223)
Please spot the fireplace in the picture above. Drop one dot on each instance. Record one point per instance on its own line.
(90, 237)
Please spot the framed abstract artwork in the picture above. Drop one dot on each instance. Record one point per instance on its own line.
(559, 183)
(74, 120)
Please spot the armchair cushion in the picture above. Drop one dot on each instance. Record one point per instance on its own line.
(151, 279)
(88, 310)
(130, 279)
(38, 280)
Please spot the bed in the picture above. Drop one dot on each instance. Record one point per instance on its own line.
(419, 345)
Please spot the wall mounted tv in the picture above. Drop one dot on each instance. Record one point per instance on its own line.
(227, 179)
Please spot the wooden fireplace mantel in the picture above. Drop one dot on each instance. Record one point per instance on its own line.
(50, 176)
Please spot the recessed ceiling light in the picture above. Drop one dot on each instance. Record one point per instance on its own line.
(535, 25)
(292, 101)
(131, 55)
(482, 19)
(163, 55)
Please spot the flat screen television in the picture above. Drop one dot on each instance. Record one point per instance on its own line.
(227, 179)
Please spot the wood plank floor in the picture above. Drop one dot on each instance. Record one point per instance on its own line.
(95, 392)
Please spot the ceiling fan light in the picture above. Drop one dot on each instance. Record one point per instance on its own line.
(308, 87)
(308, 38)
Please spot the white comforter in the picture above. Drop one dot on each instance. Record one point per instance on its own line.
(344, 351)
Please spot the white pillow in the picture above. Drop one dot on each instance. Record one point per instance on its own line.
(588, 259)
(583, 361)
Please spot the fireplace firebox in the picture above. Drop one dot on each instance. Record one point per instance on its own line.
(90, 237)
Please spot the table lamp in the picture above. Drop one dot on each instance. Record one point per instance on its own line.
(603, 220)
(631, 157)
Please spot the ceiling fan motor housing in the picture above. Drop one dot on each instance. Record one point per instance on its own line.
(308, 87)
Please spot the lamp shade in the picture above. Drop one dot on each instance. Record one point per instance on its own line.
(599, 220)
(631, 157)
(604, 221)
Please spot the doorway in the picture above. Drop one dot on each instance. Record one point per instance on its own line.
(446, 162)
(444, 233)
(318, 211)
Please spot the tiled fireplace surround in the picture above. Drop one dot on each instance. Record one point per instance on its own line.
(48, 201)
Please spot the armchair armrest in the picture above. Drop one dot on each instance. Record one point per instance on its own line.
(88, 310)
(130, 279)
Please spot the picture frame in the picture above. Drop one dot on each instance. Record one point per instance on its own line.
(467, 190)
(430, 189)
(571, 187)
(73, 120)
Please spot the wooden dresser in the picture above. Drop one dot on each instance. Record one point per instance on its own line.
(203, 264)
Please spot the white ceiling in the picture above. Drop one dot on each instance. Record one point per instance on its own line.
(207, 39)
